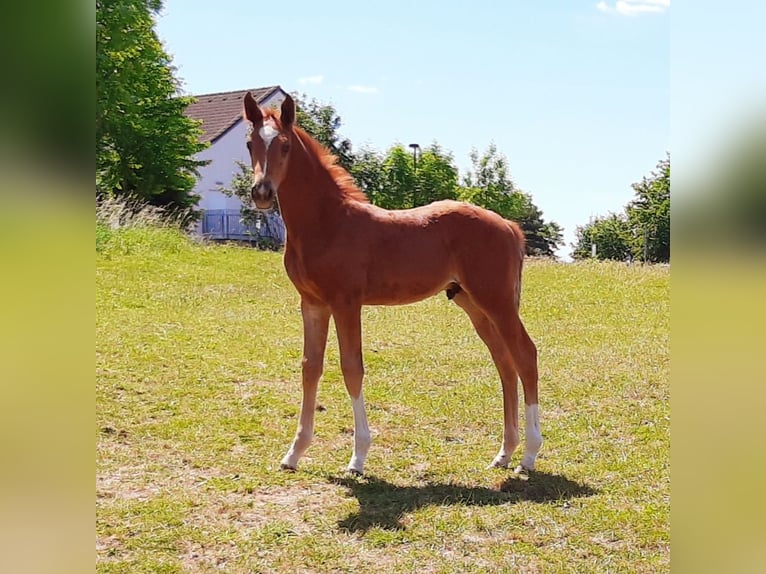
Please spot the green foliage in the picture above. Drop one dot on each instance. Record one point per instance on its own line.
(322, 122)
(489, 185)
(649, 214)
(611, 236)
(436, 176)
(490, 174)
(394, 181)
(145, 145)
(543, 238)
(399, 178)
(367, 171)
(625, 236)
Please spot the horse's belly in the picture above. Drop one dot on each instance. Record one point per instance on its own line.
(410, 274)
(400, 291)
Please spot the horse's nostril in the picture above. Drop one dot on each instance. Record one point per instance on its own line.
(263, 194)
(266, 189)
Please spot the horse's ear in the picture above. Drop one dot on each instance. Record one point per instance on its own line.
(288, 112)
(252, 112)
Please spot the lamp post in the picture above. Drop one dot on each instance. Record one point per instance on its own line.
(415, 150)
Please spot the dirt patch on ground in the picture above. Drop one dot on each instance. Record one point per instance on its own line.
(265, 514)
(140, 482)
(248, 510)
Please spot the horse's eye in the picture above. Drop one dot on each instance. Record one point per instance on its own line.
(285, 147)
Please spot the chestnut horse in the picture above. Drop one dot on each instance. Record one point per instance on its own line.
(343, 252)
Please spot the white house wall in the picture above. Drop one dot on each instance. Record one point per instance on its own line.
(223, 155)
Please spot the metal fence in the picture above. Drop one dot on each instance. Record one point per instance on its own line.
(228, 224)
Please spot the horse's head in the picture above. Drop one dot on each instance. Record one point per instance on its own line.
(269, 145)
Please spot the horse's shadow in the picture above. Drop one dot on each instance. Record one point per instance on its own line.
(383, 504)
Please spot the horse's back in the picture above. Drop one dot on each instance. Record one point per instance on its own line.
(473, 228)
(444, 242)
(401, 256)
(457, 214)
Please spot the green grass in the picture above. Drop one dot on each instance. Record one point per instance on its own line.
(198, 389)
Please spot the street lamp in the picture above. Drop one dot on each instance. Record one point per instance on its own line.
(415, 151)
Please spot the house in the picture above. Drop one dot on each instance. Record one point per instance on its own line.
(226, 131)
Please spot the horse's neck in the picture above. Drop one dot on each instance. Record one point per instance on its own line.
(311, 202)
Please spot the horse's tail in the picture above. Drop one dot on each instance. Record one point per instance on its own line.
(520, 243)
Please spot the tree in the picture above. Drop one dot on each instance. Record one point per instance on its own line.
(645, 218)
(611, 235)
(436, 176)
(367, 171)
(398, 179)
(542, 238)
(649, 214)
(145, 145)
(394, 181)
(322, 122)
(489, 185)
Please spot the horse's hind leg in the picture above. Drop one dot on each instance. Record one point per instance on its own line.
(524, 355)
(316, 320)
(504, 315)
(508, 376)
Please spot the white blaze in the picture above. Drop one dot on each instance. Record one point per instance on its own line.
(267, 132)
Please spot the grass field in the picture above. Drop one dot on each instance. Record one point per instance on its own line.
(198, 389)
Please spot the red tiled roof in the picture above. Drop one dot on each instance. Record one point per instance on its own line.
(220, 111)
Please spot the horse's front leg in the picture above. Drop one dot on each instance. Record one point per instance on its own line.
(316, 320)
(348, 324)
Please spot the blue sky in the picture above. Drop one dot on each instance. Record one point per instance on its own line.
(575, 93)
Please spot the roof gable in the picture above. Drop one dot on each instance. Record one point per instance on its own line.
(219, 112)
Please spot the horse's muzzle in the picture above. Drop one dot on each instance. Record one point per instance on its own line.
(263, 194)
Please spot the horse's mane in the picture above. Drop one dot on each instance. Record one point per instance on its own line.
(322, 157)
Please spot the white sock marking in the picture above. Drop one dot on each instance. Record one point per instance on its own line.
(362, 437)
(533, 438)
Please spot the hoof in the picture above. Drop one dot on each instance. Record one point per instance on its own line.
(354, 472)
(522, 472)
(287, 468)
(498, 463)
